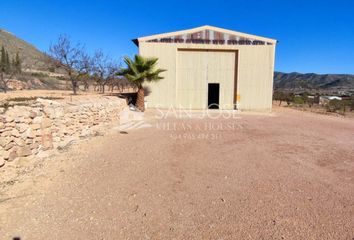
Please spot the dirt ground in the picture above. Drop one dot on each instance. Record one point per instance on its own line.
(319, 109)
(285, 175)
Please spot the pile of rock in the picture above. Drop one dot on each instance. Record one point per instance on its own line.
(46, 125)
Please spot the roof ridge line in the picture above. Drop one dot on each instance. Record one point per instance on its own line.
(204, 27)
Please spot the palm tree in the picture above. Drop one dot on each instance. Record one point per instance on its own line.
(138, 71)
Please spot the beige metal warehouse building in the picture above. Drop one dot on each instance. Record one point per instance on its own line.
(210, 67)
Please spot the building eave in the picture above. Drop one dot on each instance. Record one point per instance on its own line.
(136, 42)
(206, 27)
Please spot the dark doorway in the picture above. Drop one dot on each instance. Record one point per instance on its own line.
(213, 95)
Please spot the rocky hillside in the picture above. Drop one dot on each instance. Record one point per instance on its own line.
(30, 56)
(325, 82)
(38, 70)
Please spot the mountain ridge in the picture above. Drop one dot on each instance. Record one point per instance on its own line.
(314, 81)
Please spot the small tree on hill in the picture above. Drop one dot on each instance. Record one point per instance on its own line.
(8, 63)
(4, 62)
(7, 69)
(17, 63)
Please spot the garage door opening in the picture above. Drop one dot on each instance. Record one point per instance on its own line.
(213, 95)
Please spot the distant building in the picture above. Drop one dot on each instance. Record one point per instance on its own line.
(210, 67)
(325, 99)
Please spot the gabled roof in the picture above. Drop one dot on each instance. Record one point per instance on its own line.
(203, 28)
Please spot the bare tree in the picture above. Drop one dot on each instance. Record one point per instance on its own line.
(72, 58)
(86, 80)
(121, 83)
(104, 70)
(5, 78)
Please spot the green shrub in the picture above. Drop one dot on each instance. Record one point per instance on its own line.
(299, 100)
(348, 104)
(335, 105)
(39, 75)
(283, 96)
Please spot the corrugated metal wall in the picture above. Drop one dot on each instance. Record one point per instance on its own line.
(195, 69)
(186, 70)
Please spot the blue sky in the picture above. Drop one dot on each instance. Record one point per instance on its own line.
(314, 36)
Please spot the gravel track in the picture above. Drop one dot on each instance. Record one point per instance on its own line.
(289, 175)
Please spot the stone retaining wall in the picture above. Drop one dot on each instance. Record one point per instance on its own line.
(46, 124)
